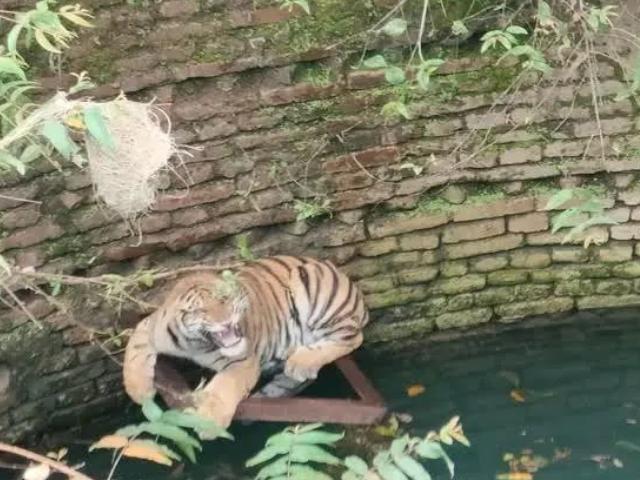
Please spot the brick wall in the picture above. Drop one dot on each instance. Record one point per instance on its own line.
(437, 237)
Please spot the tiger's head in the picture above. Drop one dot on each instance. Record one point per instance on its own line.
(216, 316)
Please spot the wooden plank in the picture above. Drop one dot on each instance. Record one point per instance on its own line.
(367, 410)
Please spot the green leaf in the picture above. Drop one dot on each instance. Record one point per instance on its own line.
(568, 218)
(398, 445)
(559, 198)
(302, 453)
(304, 4)
(129, 431)
(392, 109)
(356, 464)
(9, 66)
(12, 37)
(389, 471)
(275, 469)
(266, 454)
(304, 472)
(151, 410)
(8, 160)
(395, 27)
(411, 467)
(171, 432)
(194, 421)
(44, 42)
(57, 134)
(308, 427)
(281, 439)
(459, 29)
(31, 153)
(544, 12)
(97, 127)
(375, 62)
(429, 449)
(349, 475)
(319, 437)
(394, 75)
(517, 30)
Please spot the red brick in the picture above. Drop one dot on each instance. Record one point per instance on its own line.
(481, 247)
(264, 16)
(372, 157)
(20, 217)
(495, 209)
(473, 230)
(520, 155)
(628, 231)
(178, 8)
(296, 93)
(363, 79)
(45, 230)
(401, 223)
(205, 193)
(529, 222)
(364, 196)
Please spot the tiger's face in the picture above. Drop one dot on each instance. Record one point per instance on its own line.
(217, 320)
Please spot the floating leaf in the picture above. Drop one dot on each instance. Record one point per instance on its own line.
(627, 445)
(395, 27)
(517, 395)
(512, 377)
(514, 476)
(37, 472)
(415, 390)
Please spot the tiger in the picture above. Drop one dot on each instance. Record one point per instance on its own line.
(288, 314)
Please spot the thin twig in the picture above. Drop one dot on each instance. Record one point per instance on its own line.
(58, 466)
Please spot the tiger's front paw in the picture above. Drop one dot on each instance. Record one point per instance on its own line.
(301, 365)
(139, 389)
(212, 408)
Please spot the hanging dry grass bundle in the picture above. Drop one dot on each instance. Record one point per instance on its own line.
(125, 169)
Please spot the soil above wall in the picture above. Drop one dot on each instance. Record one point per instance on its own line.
(437, 238)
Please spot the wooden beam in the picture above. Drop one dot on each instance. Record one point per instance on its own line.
(368, 409)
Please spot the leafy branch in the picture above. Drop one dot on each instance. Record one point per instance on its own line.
(169, 425)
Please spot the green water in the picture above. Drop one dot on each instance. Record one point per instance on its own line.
(581, 382)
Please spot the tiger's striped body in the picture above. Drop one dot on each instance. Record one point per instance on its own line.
(297, 312)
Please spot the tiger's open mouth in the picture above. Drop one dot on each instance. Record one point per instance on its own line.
(228, 336)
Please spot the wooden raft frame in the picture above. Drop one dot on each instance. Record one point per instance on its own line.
(368, 409)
